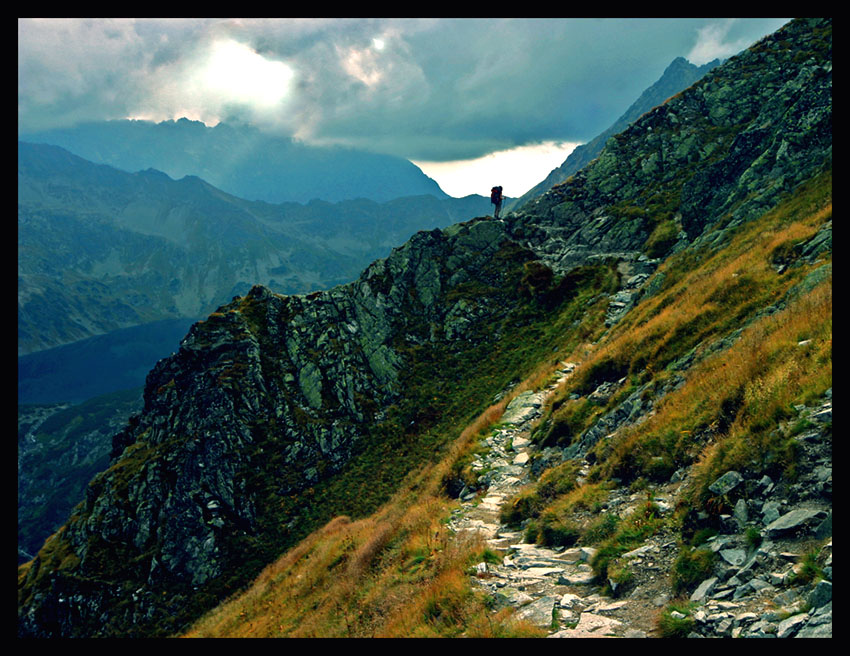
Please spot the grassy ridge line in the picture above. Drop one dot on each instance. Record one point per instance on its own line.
(727, 366)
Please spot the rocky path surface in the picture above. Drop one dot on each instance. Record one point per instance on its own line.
(554, 588)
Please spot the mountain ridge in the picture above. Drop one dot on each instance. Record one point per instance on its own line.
(678, 75)
(273, 394)
(195, 243)
(257, 167)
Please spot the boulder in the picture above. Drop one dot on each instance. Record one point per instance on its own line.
(539, 612)
(799, 519)
(704, 589)
(591, 625)
(821, 595)
(726, 483)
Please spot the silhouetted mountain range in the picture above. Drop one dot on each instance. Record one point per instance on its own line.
(243, 161)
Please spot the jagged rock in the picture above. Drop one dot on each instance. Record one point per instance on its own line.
(519, 598)
(821, 595)
(522, 408)
(741, 514)
(643, 549)
(630, 410)
(604, 392)
(704, 589)
(582, 575)
(819, 624)
(735, 557)
(539, 612)
(824, 529)
(570, 600)
(788, 627)
(591, 625)
(770, 512)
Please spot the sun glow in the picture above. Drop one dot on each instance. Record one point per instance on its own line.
(239, 74)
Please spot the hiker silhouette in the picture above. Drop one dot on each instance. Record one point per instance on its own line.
(496, 199)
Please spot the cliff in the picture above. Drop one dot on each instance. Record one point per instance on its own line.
(279, 412)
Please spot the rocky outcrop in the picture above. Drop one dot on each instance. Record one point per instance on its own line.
(679, 75)
(712, 157)
(273, 394)
(266, 397)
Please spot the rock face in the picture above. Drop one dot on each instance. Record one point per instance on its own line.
(679, 75)
(713, 156)
(272, 394)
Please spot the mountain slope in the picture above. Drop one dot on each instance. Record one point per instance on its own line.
(60, 448)
(243, 161)
(581, 500)
(278, 413)
(679, 75)
(102, 249)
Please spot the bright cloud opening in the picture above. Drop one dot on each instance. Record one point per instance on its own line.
(237, 73)
(221, 77)
(517, 170)
(362, 65)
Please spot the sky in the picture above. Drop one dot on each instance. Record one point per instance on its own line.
(472, 102)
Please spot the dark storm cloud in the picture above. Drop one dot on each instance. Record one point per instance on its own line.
(422, 88)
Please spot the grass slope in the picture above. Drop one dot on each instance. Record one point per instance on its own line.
(728, 341)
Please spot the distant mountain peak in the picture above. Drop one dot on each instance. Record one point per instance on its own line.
(242, 161)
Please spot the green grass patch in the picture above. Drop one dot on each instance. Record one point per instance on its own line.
(692, 567)
(630, 533)
(553, 483)
(676, 620)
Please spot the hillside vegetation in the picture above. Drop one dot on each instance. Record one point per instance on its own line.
(326, 443)
(741, 361)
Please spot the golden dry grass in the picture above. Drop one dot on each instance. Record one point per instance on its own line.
(397, 573)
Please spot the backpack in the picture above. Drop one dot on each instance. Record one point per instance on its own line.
(496, 195)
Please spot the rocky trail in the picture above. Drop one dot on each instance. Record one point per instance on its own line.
(752, 595)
